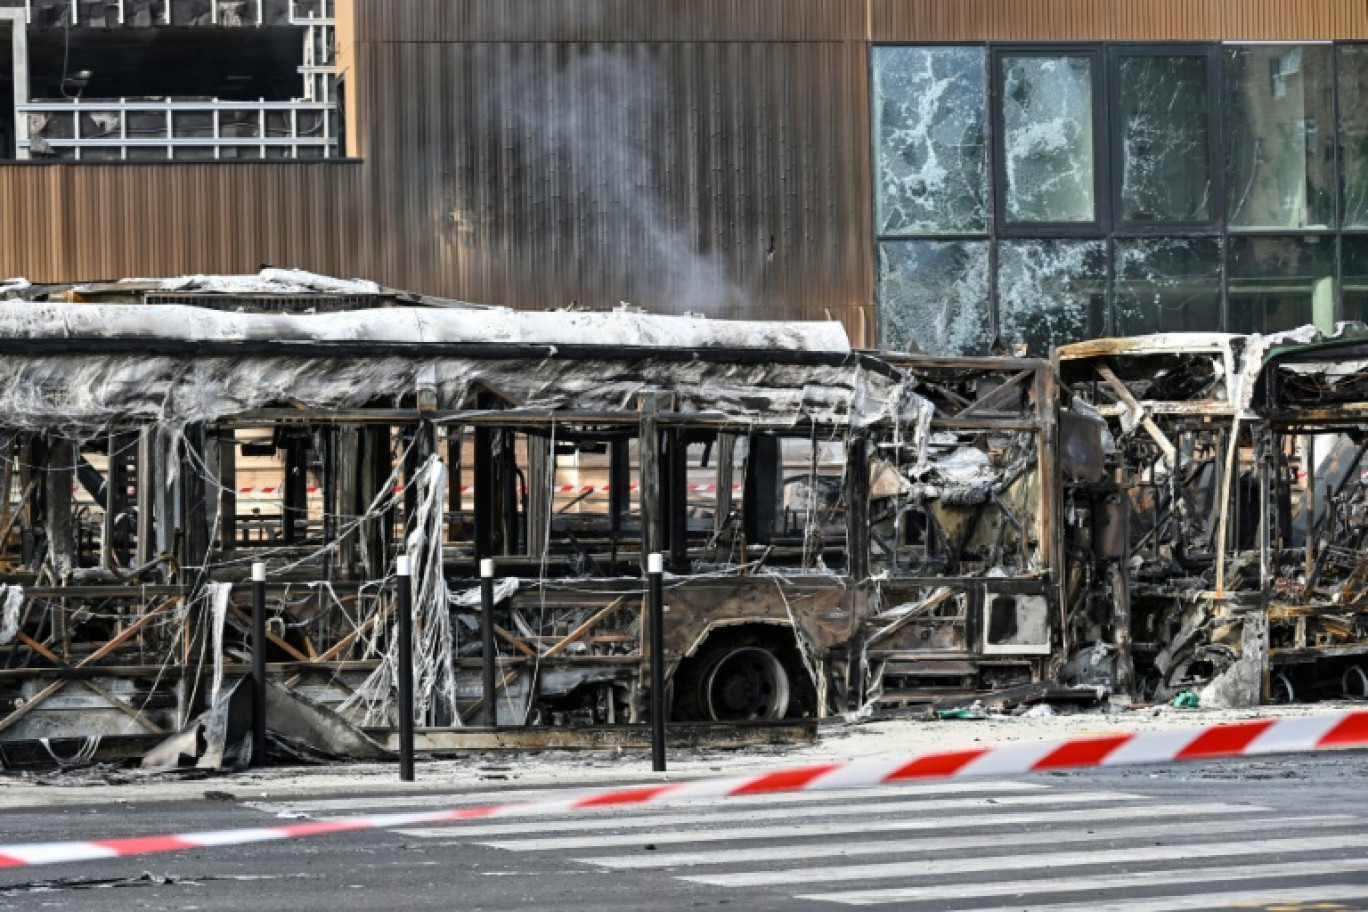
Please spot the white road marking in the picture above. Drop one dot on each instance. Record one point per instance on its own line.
(861, 827)
(692, 818)
(949, 866)
(948, 843)
(1255, 898)
(1168, 877)
(478, 799)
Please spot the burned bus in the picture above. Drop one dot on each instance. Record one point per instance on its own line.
(838, 526)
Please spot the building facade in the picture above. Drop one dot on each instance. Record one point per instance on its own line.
(962, 175)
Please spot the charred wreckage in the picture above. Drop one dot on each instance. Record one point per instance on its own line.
(1133, 517)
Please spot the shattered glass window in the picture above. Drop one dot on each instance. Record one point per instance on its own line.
(930, 153)
(934, 295)
(1047, 141)
(1355, 254)
(1165, 146)
(1167, 285)
(1280, 143)
(1051, 292)
(1279, 283)
(1353, 119)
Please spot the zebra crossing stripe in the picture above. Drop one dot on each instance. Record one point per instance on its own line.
(939, 843)
(1238, 739)
(1216, 876)
(939, 867)
(853, 827)
(753, 816)
(1295, 897)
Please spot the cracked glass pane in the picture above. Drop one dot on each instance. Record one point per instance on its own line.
(1280, 149)
(934, 295)
(1353, 89)
(1281, 283)
(1167, 285)
(1355, 253)
(1051, 292)
(1165, 144)
(929, 145)
(1047, 142)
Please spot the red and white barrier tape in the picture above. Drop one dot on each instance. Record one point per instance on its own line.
(1237, 739)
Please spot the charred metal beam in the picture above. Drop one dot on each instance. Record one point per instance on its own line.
(455, 471)
(506, 475)
(346, 469)
(227, 491)
(648, 485)
(762, 496)
(295, 502)
(485, 531)
(376, 461)
(425, 351)
(676, 497)
(619, 485)
(196, 533)
(857, 507)
(59, 471)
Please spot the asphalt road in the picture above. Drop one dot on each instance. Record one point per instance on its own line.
(1276, 834)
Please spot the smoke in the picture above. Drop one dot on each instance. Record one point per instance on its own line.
(594, 127)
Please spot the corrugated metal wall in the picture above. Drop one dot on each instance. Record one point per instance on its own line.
(709, 156)
(67, 222)
(723, 177)
(1118, 20)
(611, 20)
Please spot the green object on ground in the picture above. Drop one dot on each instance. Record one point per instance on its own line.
(1187, 700)
(963, 712)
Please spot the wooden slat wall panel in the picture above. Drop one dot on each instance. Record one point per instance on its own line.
(1118, 20)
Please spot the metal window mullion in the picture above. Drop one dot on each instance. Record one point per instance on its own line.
(76, 127)
(990, 123)
(1337, 182)
(1108, 199)
(123, 131)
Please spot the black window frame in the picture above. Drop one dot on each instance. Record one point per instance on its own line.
(1101, 164)
(1215, 135)
(1109, 227)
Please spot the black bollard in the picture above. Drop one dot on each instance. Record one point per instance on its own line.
(655, 567)
(491, 708)
(258, 664)
(405, 669)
